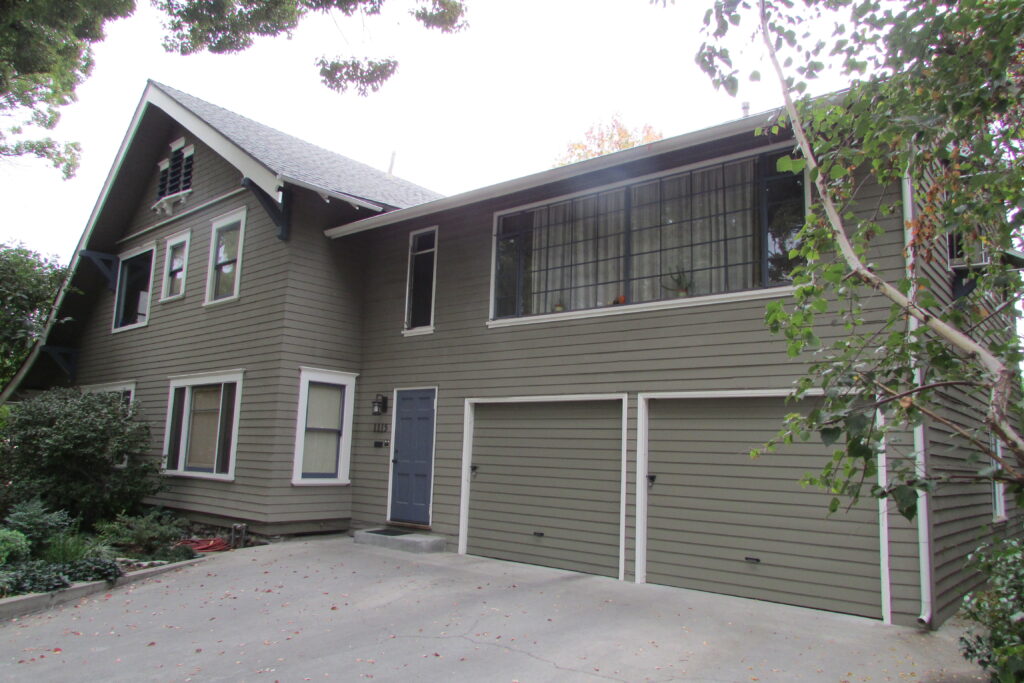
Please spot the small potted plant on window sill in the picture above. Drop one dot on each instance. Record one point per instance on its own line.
(680, 284)
(558, 307)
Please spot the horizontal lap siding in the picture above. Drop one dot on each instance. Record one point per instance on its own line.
(711, 507)
(549, 468)
(722, 346)
(254, 333)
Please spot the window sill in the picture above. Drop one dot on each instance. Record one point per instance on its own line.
(175, 297)
(709, 300)
(321, 482)
(125, 328)
(217, 302)
(198, 475)
(417, 331)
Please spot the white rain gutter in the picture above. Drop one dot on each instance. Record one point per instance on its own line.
(924, 538)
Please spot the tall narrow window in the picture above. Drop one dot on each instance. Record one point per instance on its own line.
(202, 425)
(323, 427)
(175, 265)
(225, 257)
(134, 282)
(419, 314)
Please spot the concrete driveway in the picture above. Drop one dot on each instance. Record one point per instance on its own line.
(328, 609)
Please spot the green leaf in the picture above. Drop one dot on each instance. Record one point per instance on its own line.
(829, 435)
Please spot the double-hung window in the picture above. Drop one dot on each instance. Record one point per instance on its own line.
(323, 427)
(226, 239)
(202, 425)
(718, 229)
(419, 306)
(175, 266)
(134, 285)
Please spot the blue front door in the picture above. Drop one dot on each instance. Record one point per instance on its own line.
(412, 463)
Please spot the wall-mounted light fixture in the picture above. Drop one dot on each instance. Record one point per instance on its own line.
(380, 404)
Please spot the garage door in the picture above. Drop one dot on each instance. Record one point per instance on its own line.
(719, 521)
(545, 487)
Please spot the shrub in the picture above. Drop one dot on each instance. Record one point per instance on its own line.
(70, 546)
(37, 576)
(37, 523)
(144, 535)
(14, 546)
(999, 609)
(69, 448)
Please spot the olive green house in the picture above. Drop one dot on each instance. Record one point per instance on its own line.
(566, 369)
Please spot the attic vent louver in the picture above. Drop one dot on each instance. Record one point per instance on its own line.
(175, 181)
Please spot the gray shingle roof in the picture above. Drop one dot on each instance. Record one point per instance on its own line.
(289, 156)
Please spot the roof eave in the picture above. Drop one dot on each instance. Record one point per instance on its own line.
(748, 124)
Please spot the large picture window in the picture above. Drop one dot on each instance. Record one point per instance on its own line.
(720, 229)
(134, 284)
(323, 427)
(225, 257)
(202, 425)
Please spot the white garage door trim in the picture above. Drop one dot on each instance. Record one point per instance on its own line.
(642, 460)
(467, 458)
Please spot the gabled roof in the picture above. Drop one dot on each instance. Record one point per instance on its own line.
(269, 158)
(300, 162)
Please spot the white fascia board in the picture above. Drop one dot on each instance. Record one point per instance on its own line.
(235, 155)
(748, 124)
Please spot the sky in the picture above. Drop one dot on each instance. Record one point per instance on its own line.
(497, 101)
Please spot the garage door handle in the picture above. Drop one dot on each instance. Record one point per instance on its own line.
(650, 480)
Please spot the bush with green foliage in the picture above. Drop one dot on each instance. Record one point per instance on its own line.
(38, 524)
(998, 609)
(144, 536)
(71, 546)
(76, 452)
(14, 546)
(37, 576)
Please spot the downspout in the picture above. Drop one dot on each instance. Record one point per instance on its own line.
(924, 539)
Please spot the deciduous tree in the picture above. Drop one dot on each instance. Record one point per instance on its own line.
(28, 286)
(606, 138)
(934, 101)
(46, 52)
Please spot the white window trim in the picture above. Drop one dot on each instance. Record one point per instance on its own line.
(185, 238)
(237, 216)
(166, 203)
(121, 258)
(347, 380)
(190, 381)
(422, 329)
(690, 302)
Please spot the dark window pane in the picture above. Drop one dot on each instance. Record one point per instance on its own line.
(133, 290)
(423, 241)
(421, 293)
